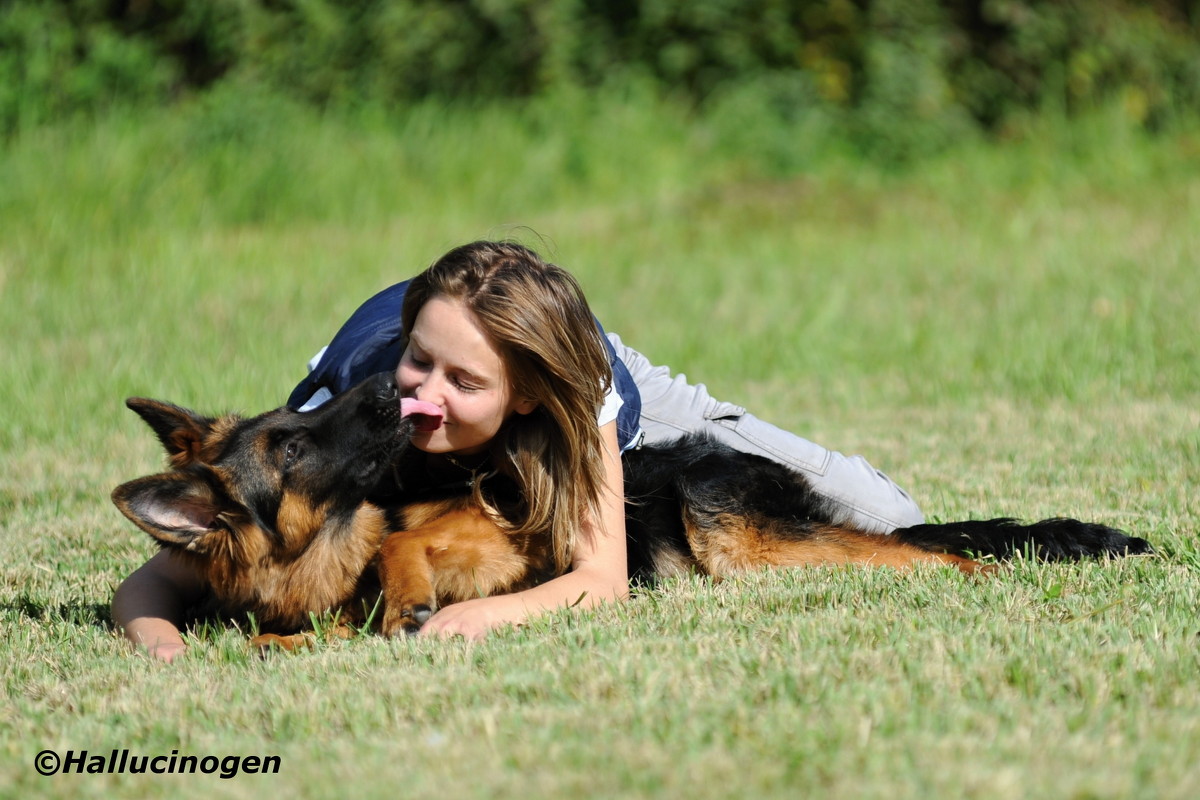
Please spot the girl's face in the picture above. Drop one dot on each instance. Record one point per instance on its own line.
(453, 364)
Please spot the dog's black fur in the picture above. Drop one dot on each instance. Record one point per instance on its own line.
(702, 480)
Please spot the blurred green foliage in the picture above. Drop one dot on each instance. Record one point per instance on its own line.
(896, 77)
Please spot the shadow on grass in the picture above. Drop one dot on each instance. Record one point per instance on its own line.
(73, 613)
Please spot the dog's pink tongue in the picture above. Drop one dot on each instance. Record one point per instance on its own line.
(425, 416)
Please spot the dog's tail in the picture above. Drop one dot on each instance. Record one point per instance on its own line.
(1049, 540)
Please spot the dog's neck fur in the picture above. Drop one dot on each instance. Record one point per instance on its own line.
(281, 590)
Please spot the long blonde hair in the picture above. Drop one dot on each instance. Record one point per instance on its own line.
(536, 316)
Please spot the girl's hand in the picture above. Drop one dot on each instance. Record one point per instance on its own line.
(475, 619)
(167, 652)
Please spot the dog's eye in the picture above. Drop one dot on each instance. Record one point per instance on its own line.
(290, 451)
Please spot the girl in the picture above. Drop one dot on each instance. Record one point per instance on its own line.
(505, 345)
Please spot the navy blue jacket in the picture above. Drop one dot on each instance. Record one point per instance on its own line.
(370, 342)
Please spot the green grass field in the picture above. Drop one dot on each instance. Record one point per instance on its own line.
(1006, 329)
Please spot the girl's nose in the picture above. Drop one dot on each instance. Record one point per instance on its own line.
(429, 390)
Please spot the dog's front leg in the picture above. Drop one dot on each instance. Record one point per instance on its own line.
(406, 577)
(457, 556)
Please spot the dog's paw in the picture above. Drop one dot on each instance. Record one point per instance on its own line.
(266, 642)
(407, 621)
(420, 613)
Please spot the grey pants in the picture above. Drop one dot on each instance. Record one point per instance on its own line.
(671, 406)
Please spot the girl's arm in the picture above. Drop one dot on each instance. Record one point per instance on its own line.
(599, 571)
(149, 605)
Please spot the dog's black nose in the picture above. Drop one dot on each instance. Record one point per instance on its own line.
(386, 390)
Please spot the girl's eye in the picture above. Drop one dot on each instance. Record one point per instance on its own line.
(410, 356)
(464, 385)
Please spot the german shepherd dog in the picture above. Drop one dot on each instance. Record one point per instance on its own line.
(284, 516)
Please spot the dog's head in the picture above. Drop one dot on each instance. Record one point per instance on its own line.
(271, 509)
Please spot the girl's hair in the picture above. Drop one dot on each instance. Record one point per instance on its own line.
(537, 318)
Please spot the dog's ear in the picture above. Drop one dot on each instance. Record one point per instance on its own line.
(178, 509)
(182, 432)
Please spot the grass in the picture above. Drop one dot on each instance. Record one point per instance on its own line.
(1003, 330)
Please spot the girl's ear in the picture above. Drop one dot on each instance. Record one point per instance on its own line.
(526, 406)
